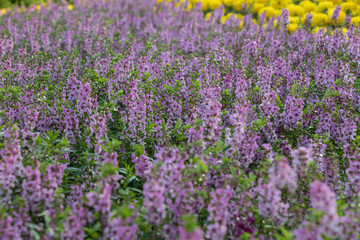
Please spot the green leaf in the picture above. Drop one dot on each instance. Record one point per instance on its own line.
(190, 223)
(138, 149)
(177, 125)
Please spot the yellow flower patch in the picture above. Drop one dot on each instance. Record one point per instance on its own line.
(321, 10)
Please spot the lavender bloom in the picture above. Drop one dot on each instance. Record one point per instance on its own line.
(282, 175)
(196, 234)
(75, 223)
(218, 213)
(211, 121)
(212, 103)
(32, 188)
(336, 13)
(270, 204)
(84, 101)
(10, 166)
(308, 20)
(154, 202)
(121, 229)
(143, 166)
(293, 112)
(285, 17)
(8, 230)
(348, 21)
(322, 198)
(302, 158)
(353, 173)
(98, 129)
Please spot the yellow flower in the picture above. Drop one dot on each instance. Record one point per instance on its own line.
(207, 16)
(237, 5)
(257, 7)
(355, 21)
(348, 6)
(344, 30)
(70, 7)
(238, 16)
(295, 20)
(275, 4)
(270, 11)
(278, 12)
(228, 2)
(189, 7)
(326, 5)
(275, 23)
(284, 3)
(336, 2)
(309, 6)
(262, 1)
(241, 25)
(317, 29)
(295, 10)
(319, 19)
(213, 4)
(292, 27)
(226, 17)
(3, 11)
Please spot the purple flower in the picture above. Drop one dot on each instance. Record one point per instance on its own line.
(270, 204)
(218, 213)
(322, 198)
(8, 229)
(154, 202)
(185, 235)
(285, 16)
(75, 223)
(282, 175)
(308, 20)
(336, 13)
(301, 159)
(348, 21)
(292, 115)
(143, 166)
(121, 229)
(353, 173)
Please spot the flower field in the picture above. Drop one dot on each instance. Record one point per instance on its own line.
(131, 119)
(321, 11)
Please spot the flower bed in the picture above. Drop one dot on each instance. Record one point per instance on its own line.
(137, 120)
(319, 13)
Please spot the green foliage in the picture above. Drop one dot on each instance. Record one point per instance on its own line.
(27, 3)
(190, 223)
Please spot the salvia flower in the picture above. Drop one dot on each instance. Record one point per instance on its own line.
(270, 204)
(143, 166)
(336, 13)
(301, 160)
(154, 201)
(218, 209)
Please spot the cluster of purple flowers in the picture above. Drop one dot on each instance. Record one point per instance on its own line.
(135, 119)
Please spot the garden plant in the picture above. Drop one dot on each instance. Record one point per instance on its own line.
(131, 119)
